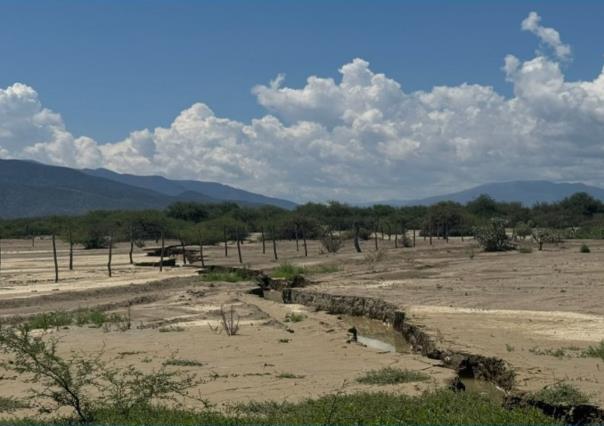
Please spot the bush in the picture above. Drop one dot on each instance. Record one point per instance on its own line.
(391, 376)
(332, 243)
(84, 384)
(595, 351)
(584, 248)
(561, 394)
(492, 237)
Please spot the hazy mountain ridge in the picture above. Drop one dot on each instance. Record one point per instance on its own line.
(526, 192)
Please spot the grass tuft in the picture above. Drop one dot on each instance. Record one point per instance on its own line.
(561, 394)
(595, 351)
(391, 376)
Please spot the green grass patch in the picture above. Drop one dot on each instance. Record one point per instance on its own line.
(171, 329)
(595, 351)
(287, 271)
(10, 404)
(391, 376)
(584, 248)
(289, 376)
(561, 394)
(227, 276)
(182, 362)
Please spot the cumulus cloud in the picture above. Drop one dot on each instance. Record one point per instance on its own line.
(548, 36)
(359, 138)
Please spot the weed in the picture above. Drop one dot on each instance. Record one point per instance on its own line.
(289, 376)
(561, 394)
(171, 329)
(584, 248)
(391, 376)
(10, 404)
(182, 362)
(229, 322)
(294, 317)
(595, 351)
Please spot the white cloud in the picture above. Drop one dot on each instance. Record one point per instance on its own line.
(357, 138)
(549, 36)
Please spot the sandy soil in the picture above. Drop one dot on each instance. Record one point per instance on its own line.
(520, 307)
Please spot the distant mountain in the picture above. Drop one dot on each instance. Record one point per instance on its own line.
(30, 189)
(526, 192)
(171, 187)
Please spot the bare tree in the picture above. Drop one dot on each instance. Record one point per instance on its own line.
(110, 255)
(357, 244)
(161, 259)
(304, 242)
(263, 241)
(70, 249)
(131, 244)
(238, 245)
(229, 322)
(274, 244)
(203, 264)
(226, 247)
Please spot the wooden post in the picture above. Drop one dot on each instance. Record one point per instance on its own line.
(203, 264)
(263, 241)
(161, 259)
(70, 250)
(131, 244)
(431, 231)
(375, 238)
(54, 256)
(414, 236)
(357, 244)
(274, 244)
(184, 257)
(238, 246)
(304, 242)
(110, 254)
(446, 226)
(226, 247)
(396, 240)
(296, 233)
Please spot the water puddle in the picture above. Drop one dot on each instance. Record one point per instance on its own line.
(377, 335)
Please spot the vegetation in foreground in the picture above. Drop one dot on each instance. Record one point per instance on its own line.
(595, 351)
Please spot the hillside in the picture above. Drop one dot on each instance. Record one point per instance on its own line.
(29, 189)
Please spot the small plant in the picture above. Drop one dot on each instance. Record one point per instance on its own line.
(584, 248)
(595, 351)
(294, 317)
(287, 271)
(509, 347)
(182, 362)
(561, 394)
(10, 404)
(289, 376)
(229, 322)
(171, 329)
(391, 376)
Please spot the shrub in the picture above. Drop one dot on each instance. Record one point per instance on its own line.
(229, 322)
(561, 394)
(595, 351)
(84, 384)
(492, 237)
(287, 271)
(294, 317)
(584, 248)
(391, 376)
(331, 243)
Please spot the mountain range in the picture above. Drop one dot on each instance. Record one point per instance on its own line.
(29, 189)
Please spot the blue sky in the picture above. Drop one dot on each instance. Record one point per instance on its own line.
(113, 66)
(308, 100)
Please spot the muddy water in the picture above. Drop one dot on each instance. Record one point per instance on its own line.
(377, 335)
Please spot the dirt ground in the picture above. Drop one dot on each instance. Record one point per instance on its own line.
(538, 311)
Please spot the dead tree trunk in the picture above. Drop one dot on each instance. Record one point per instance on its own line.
(357, 244)
(226, 247)
(431, 231)
(70, 250)
(414, 236)
(131, 244)
(304, 242)
(239, 246)
(161, 259)
(54, 257)
(110, 254)
(396, 240)
(184, 254)
(375, 238)
(274, 244)
(263, 241)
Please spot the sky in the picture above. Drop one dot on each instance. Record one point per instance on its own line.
(309, 100)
